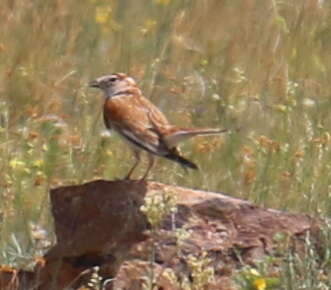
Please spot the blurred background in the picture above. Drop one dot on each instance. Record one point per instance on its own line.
(261, 66)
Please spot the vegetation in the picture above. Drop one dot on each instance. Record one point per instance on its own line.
(261, 66)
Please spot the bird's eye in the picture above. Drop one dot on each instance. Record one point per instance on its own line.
(112, 79)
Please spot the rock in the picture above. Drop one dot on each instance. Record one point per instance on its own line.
(95, 224)
(100, 223)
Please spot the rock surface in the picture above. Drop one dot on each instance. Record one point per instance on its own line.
(100, 223)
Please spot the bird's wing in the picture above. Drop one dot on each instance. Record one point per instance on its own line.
(156, 117)
(138, 120)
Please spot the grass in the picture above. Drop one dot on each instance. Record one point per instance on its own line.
(262, 66)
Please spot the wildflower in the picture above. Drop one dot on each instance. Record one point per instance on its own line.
(163, 2)
(102, 14)
(16, 164)
(260, 284)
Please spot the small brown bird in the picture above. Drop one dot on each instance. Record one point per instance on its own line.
(141, 123)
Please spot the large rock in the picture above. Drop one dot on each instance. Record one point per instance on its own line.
(100, 223)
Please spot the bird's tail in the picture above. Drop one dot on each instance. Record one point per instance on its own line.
(184, 134)
(202, 131)
(181, 160)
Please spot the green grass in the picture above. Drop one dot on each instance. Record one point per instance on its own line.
(262, 66)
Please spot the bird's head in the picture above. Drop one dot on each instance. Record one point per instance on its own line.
(113, 84)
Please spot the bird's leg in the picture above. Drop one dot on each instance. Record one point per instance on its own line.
(137, 157)
(150, 165)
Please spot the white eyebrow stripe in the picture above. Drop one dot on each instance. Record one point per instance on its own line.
(100, 79)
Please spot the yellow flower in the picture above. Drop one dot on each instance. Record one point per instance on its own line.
(102, 14)
(260, 284)
(38, 163)
(163, 2)
(149, 25)
(17, 164)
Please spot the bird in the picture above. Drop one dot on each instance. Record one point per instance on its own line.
(141, 124)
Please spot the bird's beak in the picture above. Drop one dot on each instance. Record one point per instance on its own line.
(93, 84)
